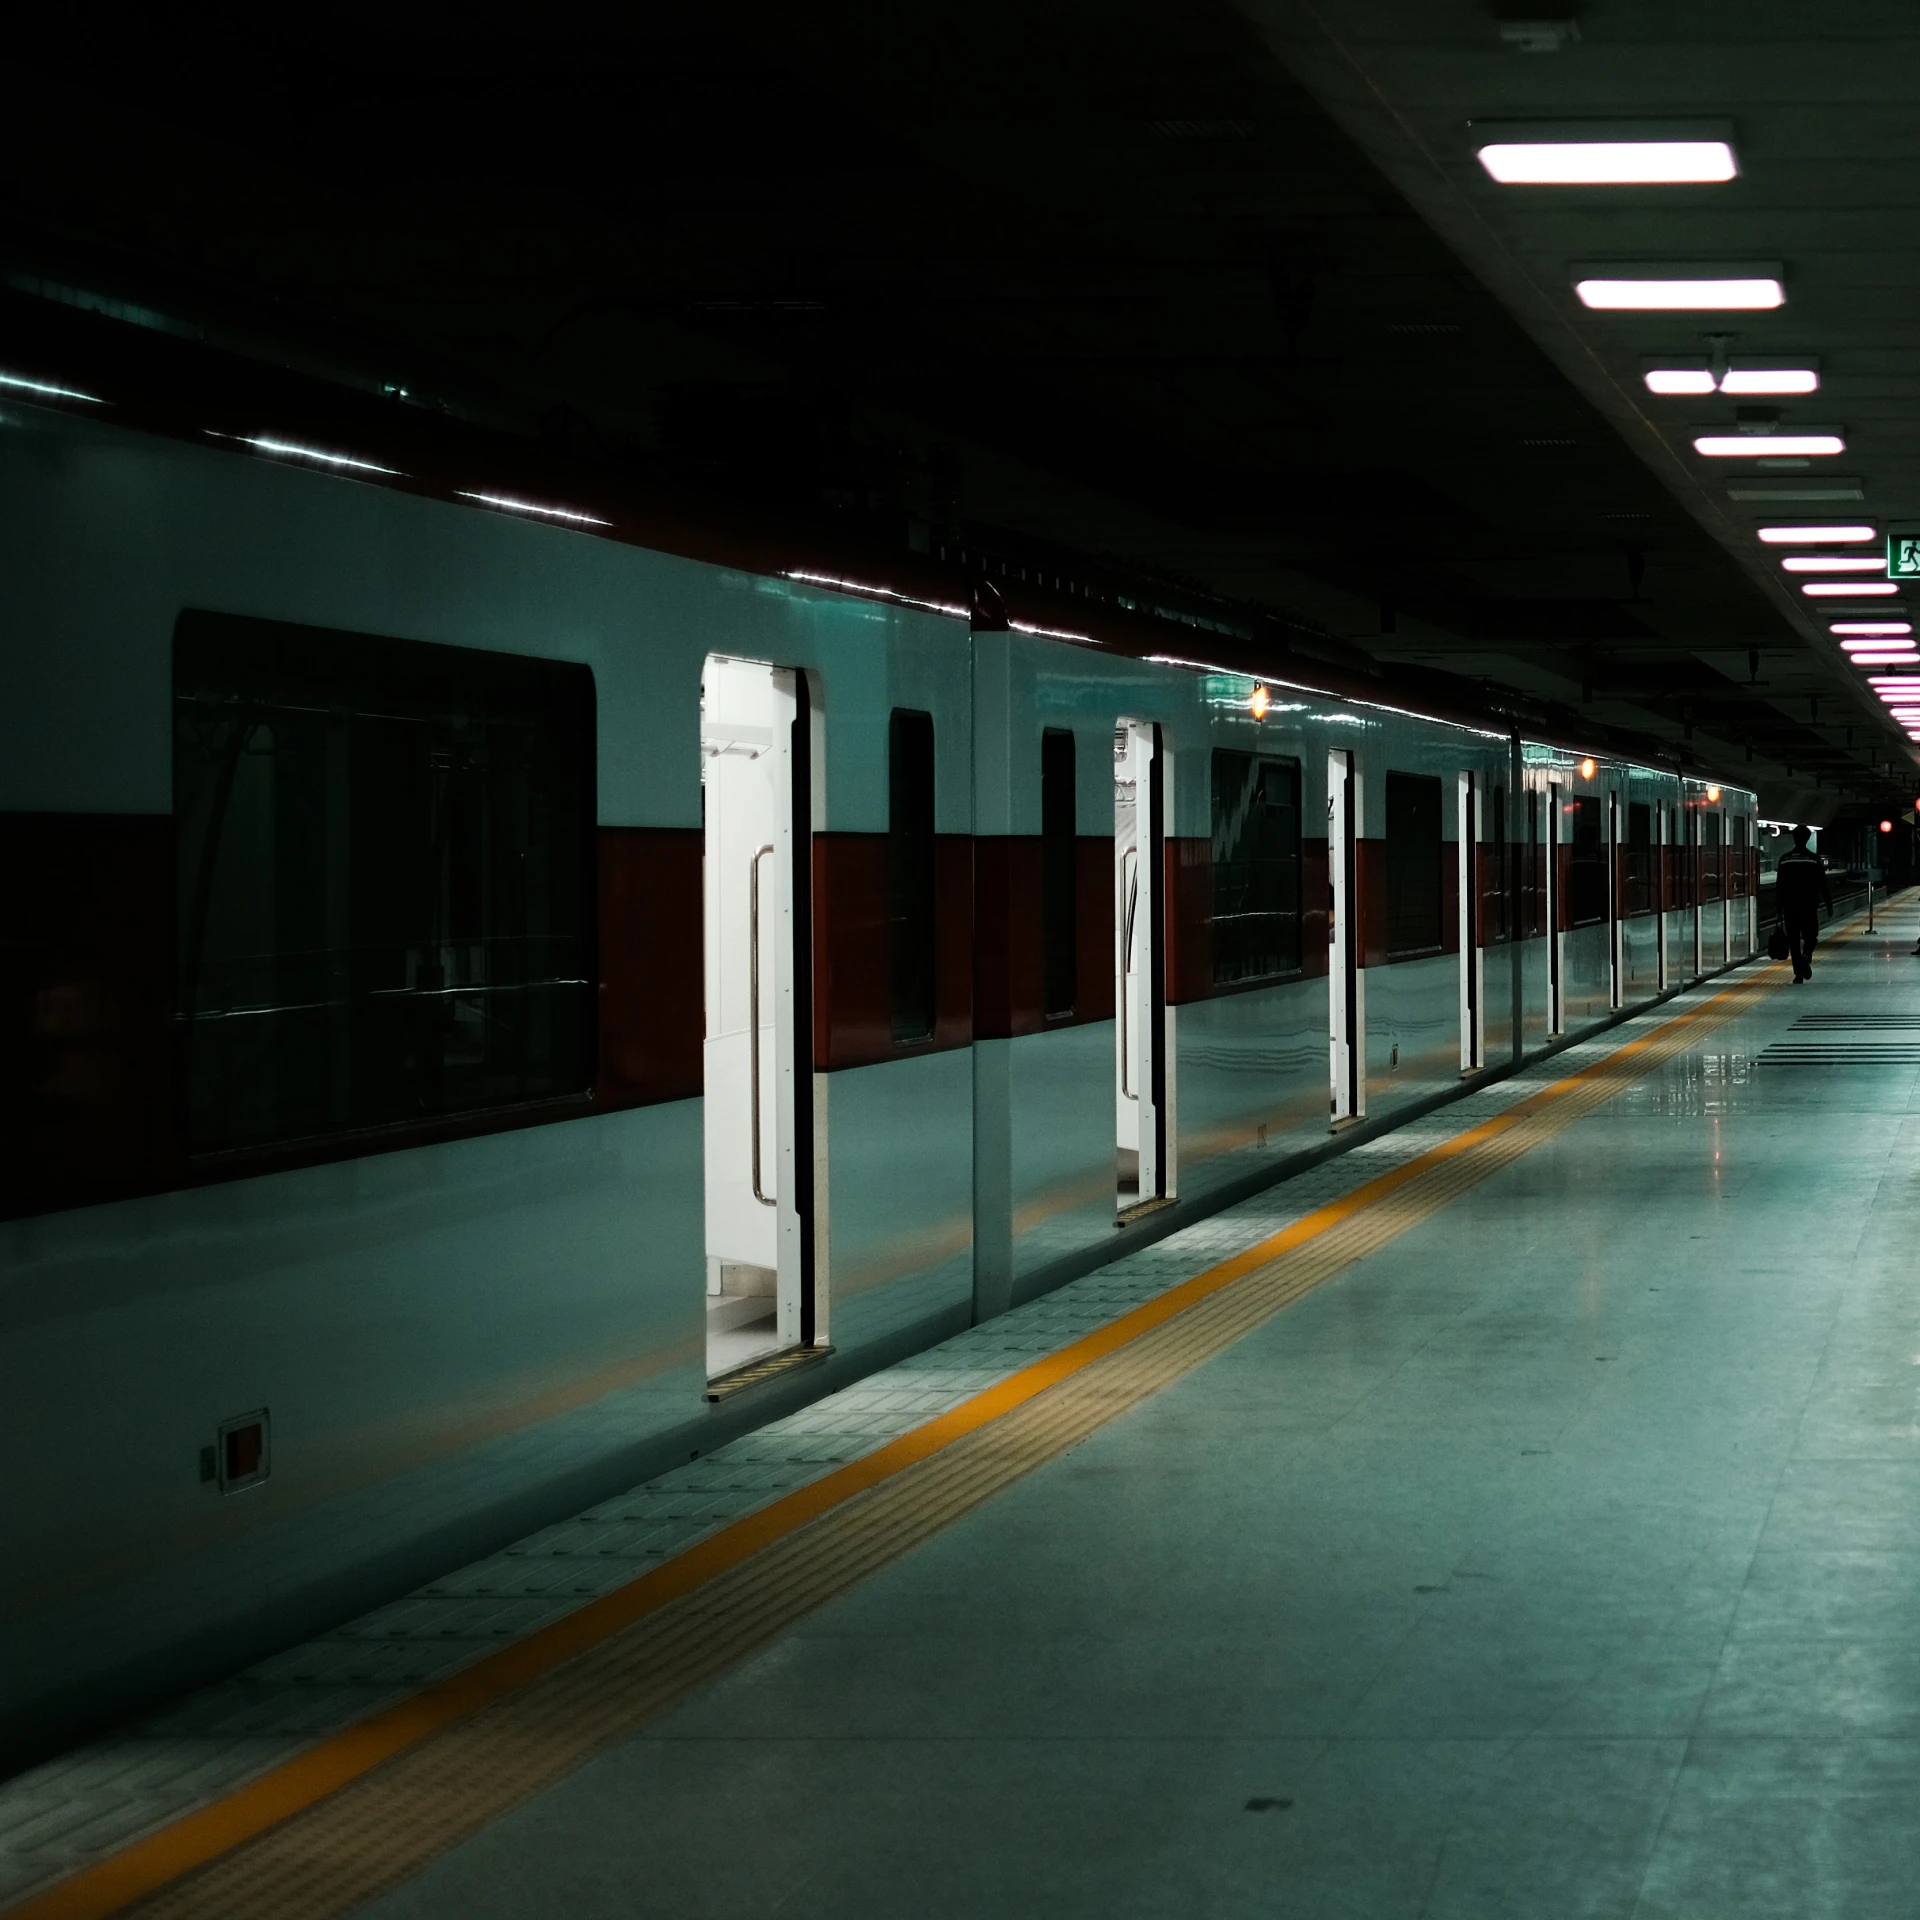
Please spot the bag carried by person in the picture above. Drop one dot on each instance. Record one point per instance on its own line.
(1778, 946)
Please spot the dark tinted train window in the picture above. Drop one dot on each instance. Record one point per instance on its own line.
(1256, 867)
(1414, 895)
(1059, 877)
(384, 878)
(1710, 856)
(1737, 877)
(910, 877)
(1496, 866)
(1640, 878)
(1586, 861)
(1683, 859)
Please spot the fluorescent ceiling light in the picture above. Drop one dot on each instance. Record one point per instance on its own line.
(507, 504)
(19, 383)
(1849, 589)
(1654, 291)
(1770, 380)
(1874, 646)
(1835, 563)
(1826, 486)
(1870, 626)
(1768, 446)
(1608, 163)
(1817, 536)
(1679, 380)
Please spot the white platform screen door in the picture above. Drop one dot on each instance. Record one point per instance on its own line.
(753, 1223)
(1141, 1105)
(1346, 979)
(1473, 976)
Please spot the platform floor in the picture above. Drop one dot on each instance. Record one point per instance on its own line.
(1559, 1557)
(1563, 1558)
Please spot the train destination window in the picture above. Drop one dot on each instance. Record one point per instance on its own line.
(1640, 877)
(1415, 900)
(1059, 875)
(384, 880)
(1586, 862)
(910, 878)
(1256, 867)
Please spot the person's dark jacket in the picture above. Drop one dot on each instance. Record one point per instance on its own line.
(1801, 886)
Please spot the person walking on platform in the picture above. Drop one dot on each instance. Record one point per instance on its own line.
(1800, 891)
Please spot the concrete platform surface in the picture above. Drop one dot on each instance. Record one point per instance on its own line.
(1561, 1558)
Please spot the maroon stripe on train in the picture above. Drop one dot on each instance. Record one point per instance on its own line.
(651, 1013)
(852, 952)
(86, 978)
(1009, 943)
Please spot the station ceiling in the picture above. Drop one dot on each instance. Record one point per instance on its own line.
(1210, 296)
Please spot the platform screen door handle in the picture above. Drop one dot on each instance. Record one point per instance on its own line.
(753, 1018)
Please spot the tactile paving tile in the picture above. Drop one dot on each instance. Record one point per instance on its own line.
(84, 1805)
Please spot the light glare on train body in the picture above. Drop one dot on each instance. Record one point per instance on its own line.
(1586, 769)
(1259, 703)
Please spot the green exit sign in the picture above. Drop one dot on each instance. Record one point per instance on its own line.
(1903, 553)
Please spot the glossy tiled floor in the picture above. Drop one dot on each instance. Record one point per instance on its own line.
(1561, 1559)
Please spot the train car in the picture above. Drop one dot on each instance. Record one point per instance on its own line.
(492, 1007)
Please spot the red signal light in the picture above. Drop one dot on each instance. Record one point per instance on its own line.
(1886, 826)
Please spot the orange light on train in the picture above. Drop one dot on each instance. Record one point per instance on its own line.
(1587, 769)
(1260, 702)
(1713, 794)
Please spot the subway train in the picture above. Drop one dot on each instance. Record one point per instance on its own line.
(494, 1007)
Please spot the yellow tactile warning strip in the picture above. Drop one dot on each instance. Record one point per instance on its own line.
(359, 1811)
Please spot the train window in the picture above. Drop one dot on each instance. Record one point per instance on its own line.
(1495, 873)
(1415, 899)
(1586, 862)
(1710, 856)
(1683, 834)
(1256, 867)
(1640, 878)
(910, 877)
(1738, 879)
(1059, 875)
(1533, 892)
(384, 874)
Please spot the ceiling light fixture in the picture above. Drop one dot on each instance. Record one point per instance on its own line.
(1739, 379)
(1680, 380)
(1817, 536)
(1608, 163)
(1680, 287)
(1865, 589)
(1771, 446)
(1883, 627)
(1826, 486)
(1834, 563)
(1878, 645)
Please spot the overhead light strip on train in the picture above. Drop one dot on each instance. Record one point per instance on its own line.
(46, 389)
(571, 515)
(291, 450)
(867, 590)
